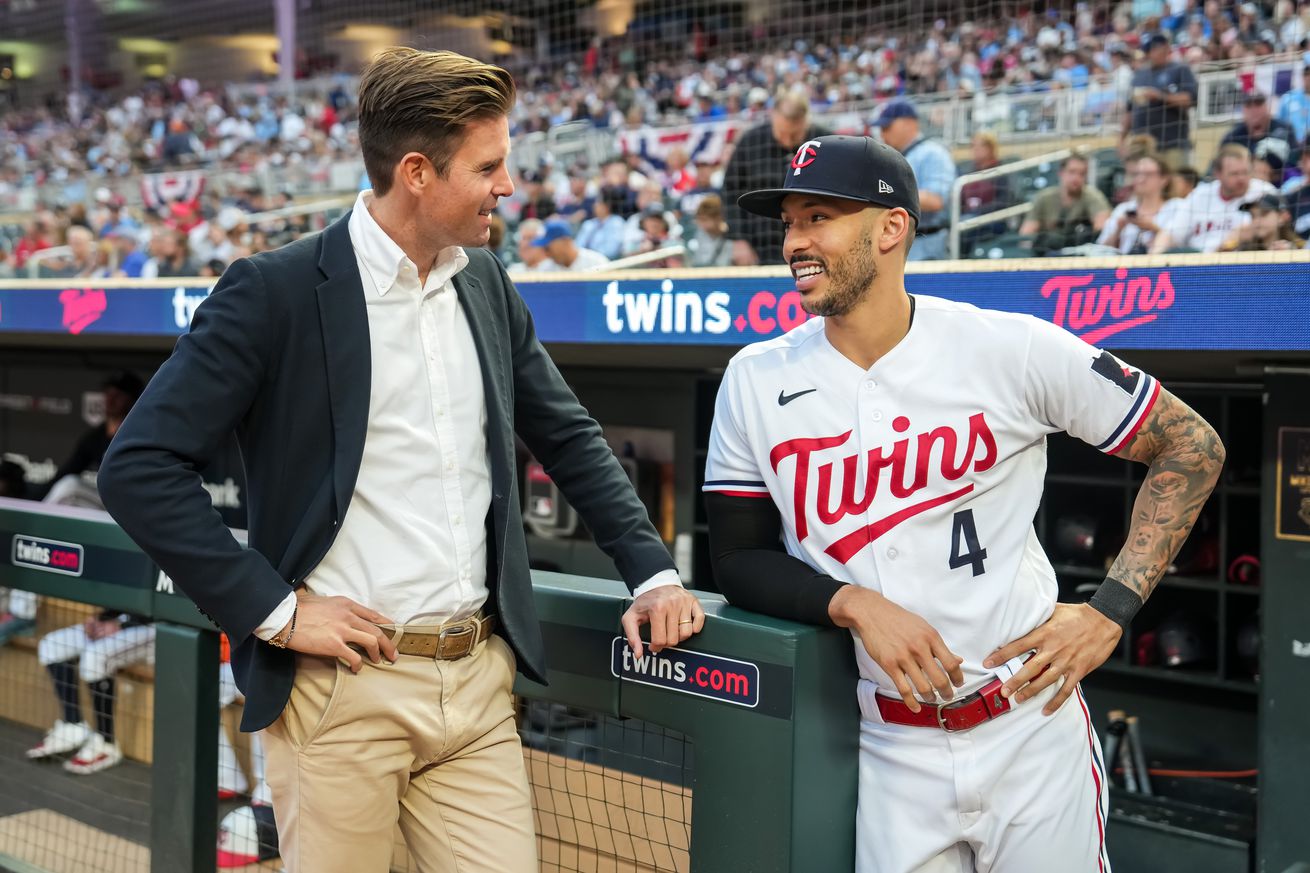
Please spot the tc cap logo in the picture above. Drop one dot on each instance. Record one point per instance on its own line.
(805, 155)
(884, 188)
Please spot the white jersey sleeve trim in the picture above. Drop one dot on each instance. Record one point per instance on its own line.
(736, 487)
(1132, 422)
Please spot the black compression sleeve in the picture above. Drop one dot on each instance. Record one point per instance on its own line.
(754, 571)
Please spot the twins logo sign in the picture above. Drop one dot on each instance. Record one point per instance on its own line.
(713, 676)
(52, 556)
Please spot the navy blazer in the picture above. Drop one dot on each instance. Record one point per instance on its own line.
(279, 354)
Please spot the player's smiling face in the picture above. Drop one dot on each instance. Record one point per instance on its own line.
(830, 247)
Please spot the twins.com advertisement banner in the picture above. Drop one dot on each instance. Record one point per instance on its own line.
(1229, 306)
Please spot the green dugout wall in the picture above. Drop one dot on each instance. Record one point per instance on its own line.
(767, 705)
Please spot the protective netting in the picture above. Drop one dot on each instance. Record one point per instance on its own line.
(634, 119)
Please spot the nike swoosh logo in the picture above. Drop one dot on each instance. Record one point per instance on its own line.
(784, 398)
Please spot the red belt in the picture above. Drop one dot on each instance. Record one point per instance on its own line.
(957, 715)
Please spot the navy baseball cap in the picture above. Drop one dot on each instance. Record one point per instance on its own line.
(851, 167)
(896, 109)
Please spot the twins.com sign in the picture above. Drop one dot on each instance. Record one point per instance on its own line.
(718, 678)
(52, 556)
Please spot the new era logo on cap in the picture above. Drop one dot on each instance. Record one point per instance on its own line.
(884, 188)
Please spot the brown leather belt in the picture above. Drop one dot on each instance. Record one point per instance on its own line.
(444, 642)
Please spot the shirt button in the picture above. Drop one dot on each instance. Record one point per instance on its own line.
(449, 466)
(459, 520)
(892, 554)
(876, 415)
(870, 384)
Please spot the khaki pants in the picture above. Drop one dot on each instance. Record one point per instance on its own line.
(429, 744)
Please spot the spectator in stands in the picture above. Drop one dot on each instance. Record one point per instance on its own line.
(538, 197)
(1269, 230)
(1133, 224)
(131, 260)
(1185, 181)
(212, 269)
(1269, 140)
(532, 257)
(81, 261)
(1213, 211)
(211, 240)
(657, 233)
(578, 201)
(181, 145)
(1294, 106)
(1136, 146)
(1071, 214)
(984, 195)
(1297, 193)
(93, 651)
(616, 185)
(711, 246)
(39, 236)
(761, 153)
(605, 231)
(168, 248)
(69, 486)
(1163, 93)
(705, 186)
(676, 178)
(6, 261)
(115, 217)
(934, 172)
(557, 241)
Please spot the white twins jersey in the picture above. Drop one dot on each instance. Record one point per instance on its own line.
(1205, 219)
(920, 477)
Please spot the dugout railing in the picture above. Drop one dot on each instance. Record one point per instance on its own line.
(765, 704)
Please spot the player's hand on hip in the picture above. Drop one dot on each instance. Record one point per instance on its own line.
(335, 627)
(1073, 642)
(905, 646)
(674, 614)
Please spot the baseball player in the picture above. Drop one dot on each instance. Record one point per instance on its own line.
(879, 467)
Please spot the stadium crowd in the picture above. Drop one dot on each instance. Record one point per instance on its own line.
(578, 215)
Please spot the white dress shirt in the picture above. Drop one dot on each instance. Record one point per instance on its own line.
(413, 543)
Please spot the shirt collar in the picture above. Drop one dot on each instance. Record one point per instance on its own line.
(384, 259)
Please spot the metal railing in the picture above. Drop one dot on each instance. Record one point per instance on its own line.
(959, 224)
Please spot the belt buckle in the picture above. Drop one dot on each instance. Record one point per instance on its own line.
(465, 632)
(940, 710)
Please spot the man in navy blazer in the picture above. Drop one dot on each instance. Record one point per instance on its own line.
(374, 376)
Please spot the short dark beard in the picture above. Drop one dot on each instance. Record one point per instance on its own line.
(849, 280)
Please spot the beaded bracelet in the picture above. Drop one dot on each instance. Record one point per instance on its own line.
(282, 644)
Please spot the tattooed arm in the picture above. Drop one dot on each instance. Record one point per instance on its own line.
(1184, 455)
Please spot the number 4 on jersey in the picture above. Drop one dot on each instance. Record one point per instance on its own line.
(963, 529)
